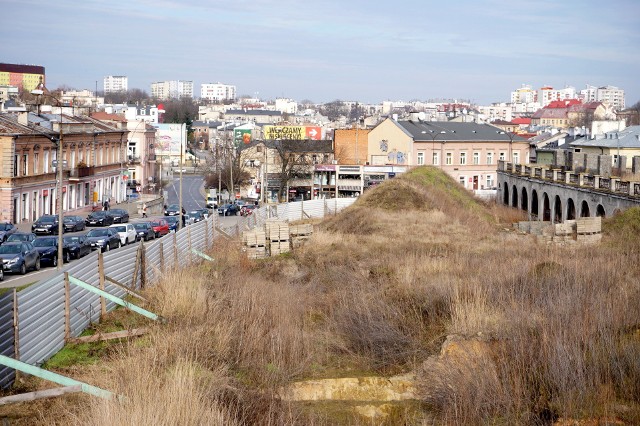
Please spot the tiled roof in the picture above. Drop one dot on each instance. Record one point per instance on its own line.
(521, 120)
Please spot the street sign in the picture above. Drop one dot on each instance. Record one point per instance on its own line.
(138, 188)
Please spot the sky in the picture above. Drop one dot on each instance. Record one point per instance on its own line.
(353, 50)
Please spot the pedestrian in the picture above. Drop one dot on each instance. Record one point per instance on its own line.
(105, 205)
(144, 210)
(184, 217)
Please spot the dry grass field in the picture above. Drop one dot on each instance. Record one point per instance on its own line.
(417, 276)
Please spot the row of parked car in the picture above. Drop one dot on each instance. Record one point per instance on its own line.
(48, 224)
(21, 251)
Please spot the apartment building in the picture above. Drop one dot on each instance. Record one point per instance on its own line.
(116, 83)
(24, 77)
(92, 161)
(218, 92)
(548, 94)
(611, 95)
(172, 89)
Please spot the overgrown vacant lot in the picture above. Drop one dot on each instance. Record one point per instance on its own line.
(417, 277)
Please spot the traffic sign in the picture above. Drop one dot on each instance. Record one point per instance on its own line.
(138, 188)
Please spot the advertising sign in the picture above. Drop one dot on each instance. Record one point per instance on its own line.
(170, 138)
(242, 136)
(292, 132)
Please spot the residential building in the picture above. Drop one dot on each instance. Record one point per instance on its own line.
(468, 152)
(147, 113)
(257, 116)
(286, 106)
(623, 145)
(173, 89)
(24, 77)
(524, 95)
(554, 114)
(217, 92)
(548, 94)
(350, 145)
(116, 83)
(611, 95)
(92, 161)
(83, 101)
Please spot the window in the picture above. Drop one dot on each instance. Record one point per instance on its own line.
(25, 161)
(36, 163)
(45, 166)
(16, 158)
(421, 159)
(462, 180)
(463, 158)
(516, 158)
(476, 158)
(502, 156)
(489, 157)
(489, 181)
(436, 159)
(449, 159)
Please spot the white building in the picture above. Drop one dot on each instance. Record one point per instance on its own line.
(524, 95)
(115, 83)
(81, 99)
(217, 92)
(146, 114)
(548, 94)
(611, 95)
(173, 89)
(286, 106)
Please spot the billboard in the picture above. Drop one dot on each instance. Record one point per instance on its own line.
(241, 136)
(292, 132)
(170, 138)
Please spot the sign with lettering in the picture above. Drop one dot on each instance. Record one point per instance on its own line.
(292, 132)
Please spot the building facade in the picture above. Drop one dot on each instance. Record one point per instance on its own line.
(116, 83)
(218, 92)
(611, 95)
(24, 77)
(173, 89)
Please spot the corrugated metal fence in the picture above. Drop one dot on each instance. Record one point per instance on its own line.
(299, 210)
(39, 314)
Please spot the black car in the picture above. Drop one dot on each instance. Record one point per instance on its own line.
(173, 222)
(104, 239)
(21, 237)
(19, 256)
(99, 218)
(228, 210)
(47, 224)
(77, 245)
(6, 229)
(195, 216)
(145, 231)
(48, 249)
(119, 215)
(172, 210)
(73, 223)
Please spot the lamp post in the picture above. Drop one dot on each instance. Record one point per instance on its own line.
(510, 135)
(59, 165)
(433, 135)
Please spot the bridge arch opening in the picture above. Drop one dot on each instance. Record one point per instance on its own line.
(514, 197)
(524, 200)
(546, 208)
(584, 209)
(505, 194)
(557, 210)
(534, 204)
(600, 211)
(571, 209)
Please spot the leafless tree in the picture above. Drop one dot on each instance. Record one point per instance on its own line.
(292, 162)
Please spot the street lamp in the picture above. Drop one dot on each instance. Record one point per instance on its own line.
(433, 135)
(510, 135)
(59, 164)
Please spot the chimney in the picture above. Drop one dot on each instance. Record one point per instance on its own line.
(23, 118)
(395, 117)
(413, 116)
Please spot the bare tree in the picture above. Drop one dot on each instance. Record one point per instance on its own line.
(292, 161)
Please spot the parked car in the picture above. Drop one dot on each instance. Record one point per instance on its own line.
(247, 210)
(119, 215)
(19, 256)
(172, 210)
(21, 237)
(195, 216)
(145, 231)
(73, 223)
(6, 229)
(48, 249)
(104, 239)
(99, 218)
(160, 227)
(206, 212)
(46, 224)
(228, 210)
(127, 233)
(173, 222)
(78, 245)
(211, 203)
(240, 203)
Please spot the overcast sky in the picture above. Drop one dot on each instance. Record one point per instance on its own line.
(322, 50)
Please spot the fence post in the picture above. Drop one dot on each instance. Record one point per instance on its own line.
(189, 237)
(136, 268)
(161, 257)
(103, 303)
(16, 329)
(175, 249)
(67, 307)
(206, 236)
(143, 266)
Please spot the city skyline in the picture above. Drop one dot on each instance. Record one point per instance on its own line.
(365, 51)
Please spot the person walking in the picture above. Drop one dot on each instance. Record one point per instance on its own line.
(184, 217)
(144, 210)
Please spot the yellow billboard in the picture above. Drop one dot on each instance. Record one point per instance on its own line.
(285, 132)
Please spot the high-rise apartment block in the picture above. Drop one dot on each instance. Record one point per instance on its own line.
(115, 83)
(173, 89)
(548, 94)
(217, 92)
(524, 95)
(611, 95)
(24, 77)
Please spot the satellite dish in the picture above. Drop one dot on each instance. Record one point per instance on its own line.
(421, 116)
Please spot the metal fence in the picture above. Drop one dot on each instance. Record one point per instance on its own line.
(291, 212)
(35, 324)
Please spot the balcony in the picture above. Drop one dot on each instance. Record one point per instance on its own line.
(80, 172)
(133, 159)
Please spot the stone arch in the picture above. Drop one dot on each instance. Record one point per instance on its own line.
(505, 194)
(600, 212)
(524, 200)
(514, 197)
(534, 203)
(584, 209)
(546, 208)
(557, 209)
(571, 209)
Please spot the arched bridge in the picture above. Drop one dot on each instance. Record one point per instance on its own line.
(555, 195)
